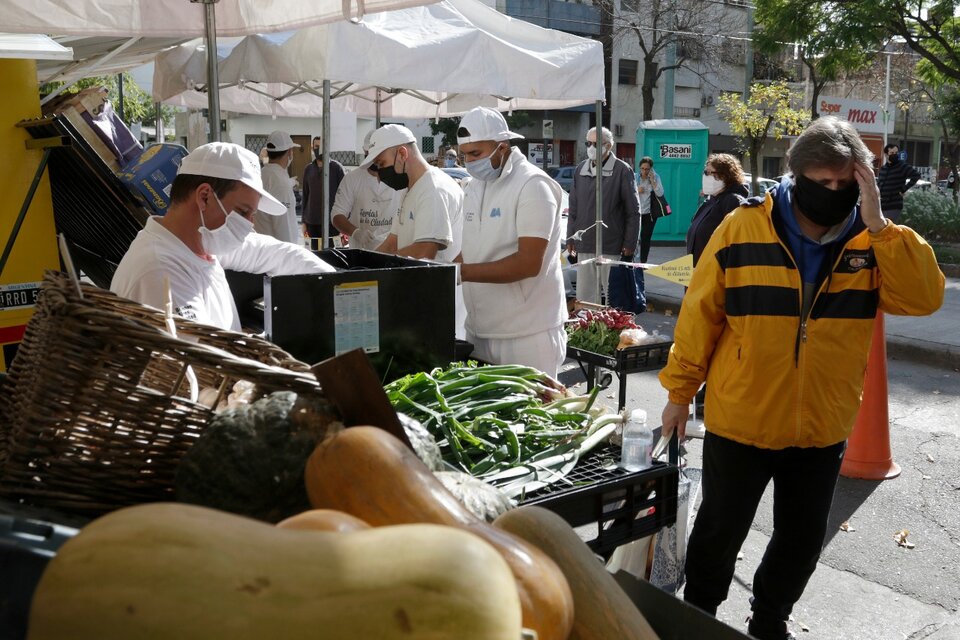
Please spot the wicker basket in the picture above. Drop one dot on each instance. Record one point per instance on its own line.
(95, 411)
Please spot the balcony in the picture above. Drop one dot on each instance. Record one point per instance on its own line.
(686, 112)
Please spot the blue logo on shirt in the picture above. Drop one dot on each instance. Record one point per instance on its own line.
(495, 213)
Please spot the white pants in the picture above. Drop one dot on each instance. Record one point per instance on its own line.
(587, 277)
(545, 351)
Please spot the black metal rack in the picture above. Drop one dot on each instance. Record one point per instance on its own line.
(645, 357)
(623, 505)
(91, 206)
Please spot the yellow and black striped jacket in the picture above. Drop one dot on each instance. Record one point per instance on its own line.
(774, 381)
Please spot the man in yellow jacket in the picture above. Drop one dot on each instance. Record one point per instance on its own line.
(778, 320)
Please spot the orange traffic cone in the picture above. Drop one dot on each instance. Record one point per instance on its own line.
(868, 449)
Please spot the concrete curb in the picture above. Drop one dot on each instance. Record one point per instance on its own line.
(934, 354)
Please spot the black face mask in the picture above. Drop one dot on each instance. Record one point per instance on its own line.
(822, 205)
(893, 158)
(318, 154)
(390, 177)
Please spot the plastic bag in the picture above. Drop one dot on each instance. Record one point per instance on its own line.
(670, 548)
(635, 337)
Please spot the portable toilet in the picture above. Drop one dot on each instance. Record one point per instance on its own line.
(679, 150)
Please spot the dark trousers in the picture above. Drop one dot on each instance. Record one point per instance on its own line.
(734, 478)
(647, 223)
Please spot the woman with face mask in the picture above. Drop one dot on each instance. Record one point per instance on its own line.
(723, 187)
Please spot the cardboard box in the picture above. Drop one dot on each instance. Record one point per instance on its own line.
(151, 175)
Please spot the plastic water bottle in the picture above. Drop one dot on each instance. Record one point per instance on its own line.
(637, 442)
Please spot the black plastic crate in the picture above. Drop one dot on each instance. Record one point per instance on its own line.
(622, 505)
(642, 357)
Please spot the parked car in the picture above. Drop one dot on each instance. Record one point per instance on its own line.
(563, 176)
(922, 185)
(765, 184)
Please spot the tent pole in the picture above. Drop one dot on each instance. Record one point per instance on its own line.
(377, 123)
(599, 169)
(213, 71)
(158, 122)
(325, 177)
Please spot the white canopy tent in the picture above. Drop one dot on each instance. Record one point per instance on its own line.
(137, 19)
(429, 61)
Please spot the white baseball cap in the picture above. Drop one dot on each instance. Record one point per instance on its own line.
(280, 141)
(231, 162)
(482, 123)
(389, 135)
(366, 141)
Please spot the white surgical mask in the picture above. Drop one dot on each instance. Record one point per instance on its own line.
(483, 168)
(592, 153)
(227, 237)
(712, 185)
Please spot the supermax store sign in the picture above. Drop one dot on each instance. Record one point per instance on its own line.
(866, 117)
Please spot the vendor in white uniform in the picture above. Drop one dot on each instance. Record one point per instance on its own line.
(207, 228)
(279, 184)
(429, 223)
(510, 268)
(364, 207)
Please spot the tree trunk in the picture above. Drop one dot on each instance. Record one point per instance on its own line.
(650, 68)
(755, 145)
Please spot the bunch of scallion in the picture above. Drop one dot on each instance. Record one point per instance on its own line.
(512, 426)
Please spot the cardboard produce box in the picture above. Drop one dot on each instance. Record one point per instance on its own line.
(150, 176)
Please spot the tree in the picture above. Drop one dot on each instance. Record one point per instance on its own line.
(929, 27)
(702, 32)
(826, 49)
(767, 112)
(944, 97)
(138, 105)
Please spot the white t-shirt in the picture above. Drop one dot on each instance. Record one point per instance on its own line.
(199, 286)
(368, 204)
(522, 202)
(428, 210)
(279, 184)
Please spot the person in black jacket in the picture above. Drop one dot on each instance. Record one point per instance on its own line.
(723, 185)
(894, 178)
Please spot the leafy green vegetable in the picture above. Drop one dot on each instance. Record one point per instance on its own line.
(511, 426)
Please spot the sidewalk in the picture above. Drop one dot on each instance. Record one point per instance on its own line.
(932, 340)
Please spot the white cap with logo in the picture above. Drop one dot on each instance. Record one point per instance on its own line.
(389, 135)
(230, 161)
(280, 141)
(483, 123)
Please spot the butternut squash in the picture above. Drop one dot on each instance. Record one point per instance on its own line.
(161, 571)
(601, 609)
(324, 520)
(368, 473)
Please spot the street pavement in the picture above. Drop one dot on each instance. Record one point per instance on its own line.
(866, 586)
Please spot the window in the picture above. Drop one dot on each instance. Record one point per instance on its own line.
(628, 72)
(255, 142)
(426, 144)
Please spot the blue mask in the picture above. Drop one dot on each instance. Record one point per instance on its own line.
(483, 168)
(450, 162)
